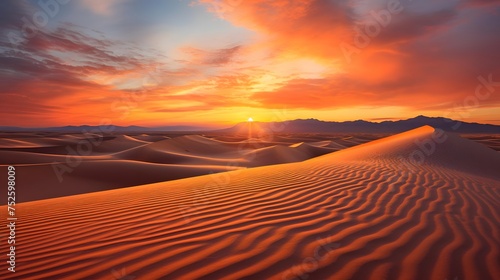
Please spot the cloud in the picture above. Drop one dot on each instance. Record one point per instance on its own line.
(64, 74)
(482, 2)
(427, 53)
(409, 26)
(103, 8)
(218, 57)
(69, 74)
(11, 14)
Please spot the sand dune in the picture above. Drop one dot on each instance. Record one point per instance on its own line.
(414, 148)
(39, 181)
(361, 213)
(149, 138)
(128, 160)
(99, 145)
(312, 149)
(34, 142)
(193, 144)
(492, 141)
(275, 155)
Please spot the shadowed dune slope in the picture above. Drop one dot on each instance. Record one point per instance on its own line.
(356, 214)
(85, 145)
(123, 161)
(40, 181)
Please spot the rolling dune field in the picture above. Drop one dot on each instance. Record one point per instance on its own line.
(52, 165)
(417, 205)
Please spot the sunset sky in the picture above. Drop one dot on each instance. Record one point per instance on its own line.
(219, 62)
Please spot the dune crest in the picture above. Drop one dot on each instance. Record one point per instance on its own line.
(428, 146)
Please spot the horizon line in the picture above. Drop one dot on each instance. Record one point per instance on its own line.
(216, 127)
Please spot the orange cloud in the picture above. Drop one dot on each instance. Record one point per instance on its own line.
(416, 57)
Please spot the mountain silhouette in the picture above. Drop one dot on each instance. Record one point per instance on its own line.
(362, 126)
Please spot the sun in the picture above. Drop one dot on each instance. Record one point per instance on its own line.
(250, 120)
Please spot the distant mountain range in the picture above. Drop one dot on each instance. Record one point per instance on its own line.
(299, 126)
(361, 126)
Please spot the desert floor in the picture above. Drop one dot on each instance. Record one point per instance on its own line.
(416, 205)
(52, 165)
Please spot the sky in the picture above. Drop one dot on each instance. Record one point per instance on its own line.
(220, 62)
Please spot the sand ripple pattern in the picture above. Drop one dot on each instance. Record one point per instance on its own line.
(325, 218)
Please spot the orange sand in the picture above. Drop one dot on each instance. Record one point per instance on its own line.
(361, 213)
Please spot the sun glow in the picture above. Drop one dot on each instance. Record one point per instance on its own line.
(250, 120)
